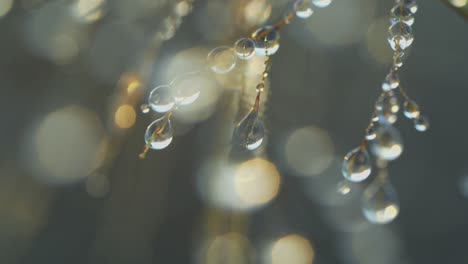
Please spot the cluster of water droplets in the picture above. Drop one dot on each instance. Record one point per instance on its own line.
(383, 140)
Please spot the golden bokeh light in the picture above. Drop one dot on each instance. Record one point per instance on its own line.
(125, 116)
(292, 249)
(257, 181)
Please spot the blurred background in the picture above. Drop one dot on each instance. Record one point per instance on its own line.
(72, 189)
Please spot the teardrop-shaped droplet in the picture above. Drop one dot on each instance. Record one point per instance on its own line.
(370, 133)
(159, 134)
(401, 14)
(356, 165)
(380, 202)
(249, 133)
(411, 109)
(387, 144)
(245, 48)
(186, 88)
(222, 59)
(303, 8)
(160, 99)
(266, 41)
(400, 36)
(421, 123)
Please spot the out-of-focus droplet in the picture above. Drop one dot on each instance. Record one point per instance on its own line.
(380, 202)
(388, 144)
(421, 123)
(411, 109)
(321, 3)
(222, 59)
(401, 14)
(249, 133)
(159, 134)
(400, 36)
(356, 165)
(145, 108)
(161, 100)
(370, 133)
(343, 188)
(245, 48)
(266, 41)
(392, 81)
(410, 4)
(185, 88)
(387, 107)
(303, 8)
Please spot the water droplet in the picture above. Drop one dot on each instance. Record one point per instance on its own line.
(266, 41)
(160, 99)
(388, 144)
(400, 36)
(411, 109)
(410, 4)
(321, 3)
(387, 107)
(245, 48)
(249, 133)
(159, 134)
(401, 14)
(186, 88)
(380, 202)
(145, 108)
(222, 59)
(302, 8)
(356, 165)
(370, 133)
(421, 123)
(392, 81)
(343, 188)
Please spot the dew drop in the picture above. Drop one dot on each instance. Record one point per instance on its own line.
(401, 14)
(222, 59)
(387, 144)
(145, 108)
(421, 123)
(321, 3)
(356, 165)
(343, 188)
(266, 41)
(411, 109)
(410, 4)
(370, 133)
(245, 48)
(160, 99)
(303, 9)
(249, 132)
(380, 202)
(186, 88)
(391, 82)
(159, 134)
(400, 36)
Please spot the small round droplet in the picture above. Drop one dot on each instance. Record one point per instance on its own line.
(145, 108)
(222, 59)
(411, 109)
(343, 188)
(392, 81)
(266, 41)
(421, 123)
(370, 133)
(410, 4)
(387, 108)
(380, 202)
(387, 144)
(249, 132)
(321, 3)
(356, 165)
(401, 14)
(160, 99)
(159, 134)
(303, 9)
(186, 88)
(245, 48)
(400, 36)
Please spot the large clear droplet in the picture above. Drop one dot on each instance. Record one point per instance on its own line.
(249, 133)
(266, 41)
(160, 99)
(222, 59)
(303, 9)
(401, 14)
(245, 48)
(388, 144)
(356, 165)
(159, 134)
(380, 202)
(186, 88)
(321, 3)
(400, 36)
(410, 4)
